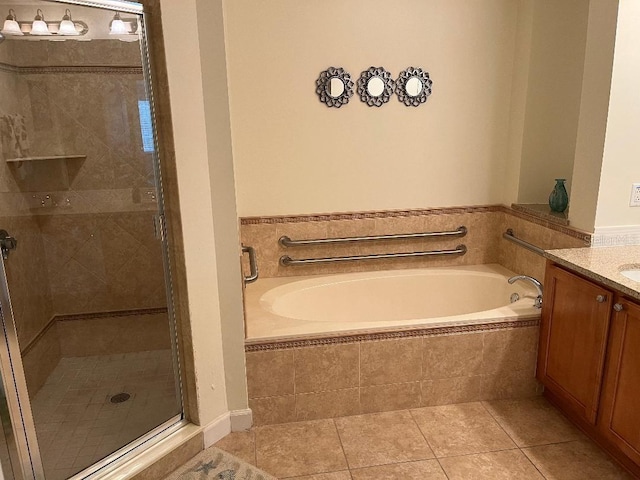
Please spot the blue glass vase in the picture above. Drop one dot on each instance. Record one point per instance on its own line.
(559, 200)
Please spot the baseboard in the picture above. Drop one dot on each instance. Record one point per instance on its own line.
(217, 429)
(233, 421)
(616, 236)
(241, 420)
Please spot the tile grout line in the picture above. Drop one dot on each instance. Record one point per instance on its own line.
(422, 374)
(531, 462)
(346, 460)
(359, 382)
(255, 446)
(499, 424)
(295, 390)
(520, 449)
(427, 441)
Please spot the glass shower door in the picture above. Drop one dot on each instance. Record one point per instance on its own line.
(81, 219)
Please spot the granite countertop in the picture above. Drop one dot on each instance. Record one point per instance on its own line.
(602, 264)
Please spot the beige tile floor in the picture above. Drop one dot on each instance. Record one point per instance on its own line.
(525, 439)
(77, 424)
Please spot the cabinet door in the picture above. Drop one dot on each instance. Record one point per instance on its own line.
(573, 340)
(620, 417)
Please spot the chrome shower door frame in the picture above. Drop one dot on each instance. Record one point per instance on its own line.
(25, 444)
(24, 430)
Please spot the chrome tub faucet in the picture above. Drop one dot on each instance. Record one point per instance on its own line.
(536, 283)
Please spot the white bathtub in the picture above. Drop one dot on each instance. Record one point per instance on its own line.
(285, 308)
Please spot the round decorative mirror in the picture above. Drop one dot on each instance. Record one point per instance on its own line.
(413, 86)
(334, 87)
(375, 86)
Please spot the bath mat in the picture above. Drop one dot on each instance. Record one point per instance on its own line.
(216, 464)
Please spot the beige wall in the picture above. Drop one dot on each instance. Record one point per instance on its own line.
(621, 164)
(594, 104)
(292, 154)
(195, 151)
(555, 71)
(520, 83)
(223, 199)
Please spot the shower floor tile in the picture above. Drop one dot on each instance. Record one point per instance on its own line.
(76, 422)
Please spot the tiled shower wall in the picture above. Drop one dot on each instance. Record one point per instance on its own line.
(30, 283)
(99, 241)
(85, 227)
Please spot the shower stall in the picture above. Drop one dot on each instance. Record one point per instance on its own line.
(88, 353)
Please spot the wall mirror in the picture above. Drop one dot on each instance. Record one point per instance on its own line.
(334, 87)
(413, 86)
(375, 86)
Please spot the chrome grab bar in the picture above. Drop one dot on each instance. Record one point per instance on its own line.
(253, 264)
(509, 235)
(287, 242)
(286, 260)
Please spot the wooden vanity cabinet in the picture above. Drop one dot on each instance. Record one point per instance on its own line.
(619, 419)
(573, 340)
(589, 361)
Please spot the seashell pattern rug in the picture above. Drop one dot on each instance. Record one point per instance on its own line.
(216, 464)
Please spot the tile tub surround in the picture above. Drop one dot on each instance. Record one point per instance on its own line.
(324, 378)
(334, 380)
(484, 239)
(526, 439)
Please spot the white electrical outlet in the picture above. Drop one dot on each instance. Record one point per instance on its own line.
(635, 195)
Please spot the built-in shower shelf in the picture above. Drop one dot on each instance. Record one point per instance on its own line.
(40, 159)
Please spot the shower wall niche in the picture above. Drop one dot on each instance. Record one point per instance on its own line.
(78, 191)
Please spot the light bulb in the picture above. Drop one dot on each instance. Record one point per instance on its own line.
(11, 26)
(67, 27)
(39, 26)
(118, 27)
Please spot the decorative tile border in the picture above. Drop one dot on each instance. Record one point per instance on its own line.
(114, 313)
(88, 316)
(102, 69)
(566, 230)
(508, 323)
(365, 215)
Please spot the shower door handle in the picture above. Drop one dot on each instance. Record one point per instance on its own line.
(7, 243)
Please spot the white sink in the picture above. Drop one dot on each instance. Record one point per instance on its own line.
(633, 274)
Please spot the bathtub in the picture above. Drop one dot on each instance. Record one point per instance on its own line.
(287, 308)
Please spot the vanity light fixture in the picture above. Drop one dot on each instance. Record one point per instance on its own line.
(67, 27)
(11, 26)
(1, 38)
(39, 26)
(118, 27)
